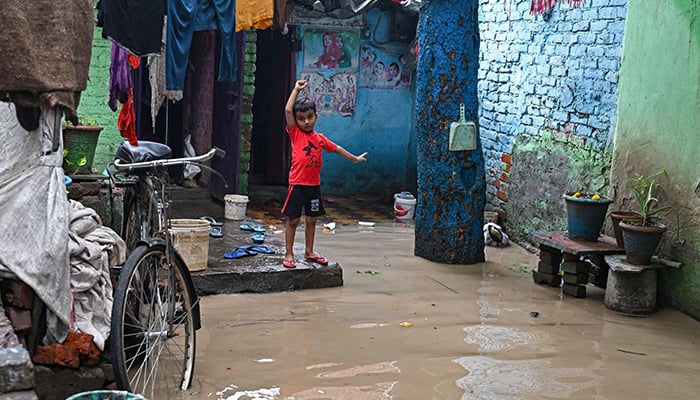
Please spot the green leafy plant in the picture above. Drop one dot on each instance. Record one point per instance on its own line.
(642, 187)
(73, 167)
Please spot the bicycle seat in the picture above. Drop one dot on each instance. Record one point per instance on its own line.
(145, 151)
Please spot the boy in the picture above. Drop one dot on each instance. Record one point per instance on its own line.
(305, 174)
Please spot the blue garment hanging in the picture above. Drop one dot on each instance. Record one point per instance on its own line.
(184, 18)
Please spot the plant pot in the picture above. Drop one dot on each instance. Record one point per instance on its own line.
(616, 217)
(585, 217)
(641, 241)
(79, 144)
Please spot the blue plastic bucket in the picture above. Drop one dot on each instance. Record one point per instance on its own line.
(585, 217)
(106, 395)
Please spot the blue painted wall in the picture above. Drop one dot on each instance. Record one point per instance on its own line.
(381, 125)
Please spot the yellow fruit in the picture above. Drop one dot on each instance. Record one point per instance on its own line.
(595, 197)
(577, 194)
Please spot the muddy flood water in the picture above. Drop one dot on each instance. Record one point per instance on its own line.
(403, 327)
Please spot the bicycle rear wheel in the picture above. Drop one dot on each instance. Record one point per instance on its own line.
(153, 331)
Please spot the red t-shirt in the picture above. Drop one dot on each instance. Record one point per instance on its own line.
(307, 156)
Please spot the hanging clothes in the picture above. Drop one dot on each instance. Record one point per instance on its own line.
(254, 14)
(119, 77)
(279, 18)
(136, 25)
(542, 6)
(127, 120)
(184, 18)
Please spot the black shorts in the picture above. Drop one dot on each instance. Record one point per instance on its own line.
(307, 198)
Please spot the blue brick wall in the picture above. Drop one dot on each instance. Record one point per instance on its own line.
(559, 74)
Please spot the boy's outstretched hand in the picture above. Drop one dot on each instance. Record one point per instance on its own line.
(361, 157)
(300, 85)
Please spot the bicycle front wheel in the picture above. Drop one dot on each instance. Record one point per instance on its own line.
(153, 332)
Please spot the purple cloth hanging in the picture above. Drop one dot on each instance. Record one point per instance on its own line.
(119, 77)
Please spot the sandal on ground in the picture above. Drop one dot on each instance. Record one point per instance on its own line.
(239, 252)
(215, 232)
(211, 221)
(288, 263)
(261, 248)
(253, 227)
(258, 239)
(317, 259)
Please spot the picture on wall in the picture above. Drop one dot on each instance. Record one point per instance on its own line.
(331, 49)
(333, 95)
(381, 70)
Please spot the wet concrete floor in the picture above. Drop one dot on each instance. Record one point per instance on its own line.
(472, 333)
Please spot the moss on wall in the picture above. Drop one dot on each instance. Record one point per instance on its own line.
(544, 168)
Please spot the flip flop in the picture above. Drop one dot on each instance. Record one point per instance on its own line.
(318, 260)
(287, 263)
(262, 249)
(216, 232)
(258, 239)
(239, 252)
(211, 221)
(253, 227)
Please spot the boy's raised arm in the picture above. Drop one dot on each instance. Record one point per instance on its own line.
(289, 108)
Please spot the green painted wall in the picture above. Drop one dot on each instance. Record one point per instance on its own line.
(93, 101)
(658, 127)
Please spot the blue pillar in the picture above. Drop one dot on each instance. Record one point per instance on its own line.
(451, 184)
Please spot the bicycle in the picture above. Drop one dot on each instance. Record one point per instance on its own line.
(155, 313)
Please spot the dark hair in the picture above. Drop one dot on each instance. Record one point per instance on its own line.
(304, 104)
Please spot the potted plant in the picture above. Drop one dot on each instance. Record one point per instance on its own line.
(643, 230)
(585, 214)
(80, 137)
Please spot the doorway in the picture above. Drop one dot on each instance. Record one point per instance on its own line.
(270, 149)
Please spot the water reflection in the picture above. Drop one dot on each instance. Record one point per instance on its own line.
(496, 338)
(511, 379)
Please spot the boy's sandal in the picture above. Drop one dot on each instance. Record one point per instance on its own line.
(252, 227)
(258, 238)
(288, 263)
(318, 259)
(215, 232)
(239, 252)
(211, 221)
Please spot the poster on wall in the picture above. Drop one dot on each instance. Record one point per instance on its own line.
(331, 49)
(334, 95)
(382, 70)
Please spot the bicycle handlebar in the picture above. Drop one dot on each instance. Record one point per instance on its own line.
(215, 151)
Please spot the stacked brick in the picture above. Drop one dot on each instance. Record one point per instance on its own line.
(575, 275)
(77, 350)
(16, 369)
(548, 267)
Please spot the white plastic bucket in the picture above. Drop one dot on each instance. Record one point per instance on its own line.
(191, 240)
(404, 205)
(235, 206)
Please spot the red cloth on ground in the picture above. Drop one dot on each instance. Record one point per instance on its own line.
(127, 120)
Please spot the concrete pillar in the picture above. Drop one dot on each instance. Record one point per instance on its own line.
(451, 184)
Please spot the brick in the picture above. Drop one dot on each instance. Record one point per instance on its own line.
(17, 294)
(570, 257)
(547, 268)
(67, 356)
(504, 177)
(21, 320)
(502, 195)
(16, 369)
(546, 279)
(507, 158)
(575, 279)
(574, 267)
(550, 255)
(574, 290)
(44, 355)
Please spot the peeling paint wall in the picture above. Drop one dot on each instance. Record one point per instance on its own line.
(556, 72)
(658, 128)
(548, 167)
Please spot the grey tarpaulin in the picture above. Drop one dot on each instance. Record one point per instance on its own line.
(34, 214)
(93, 250)
(348, 8)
